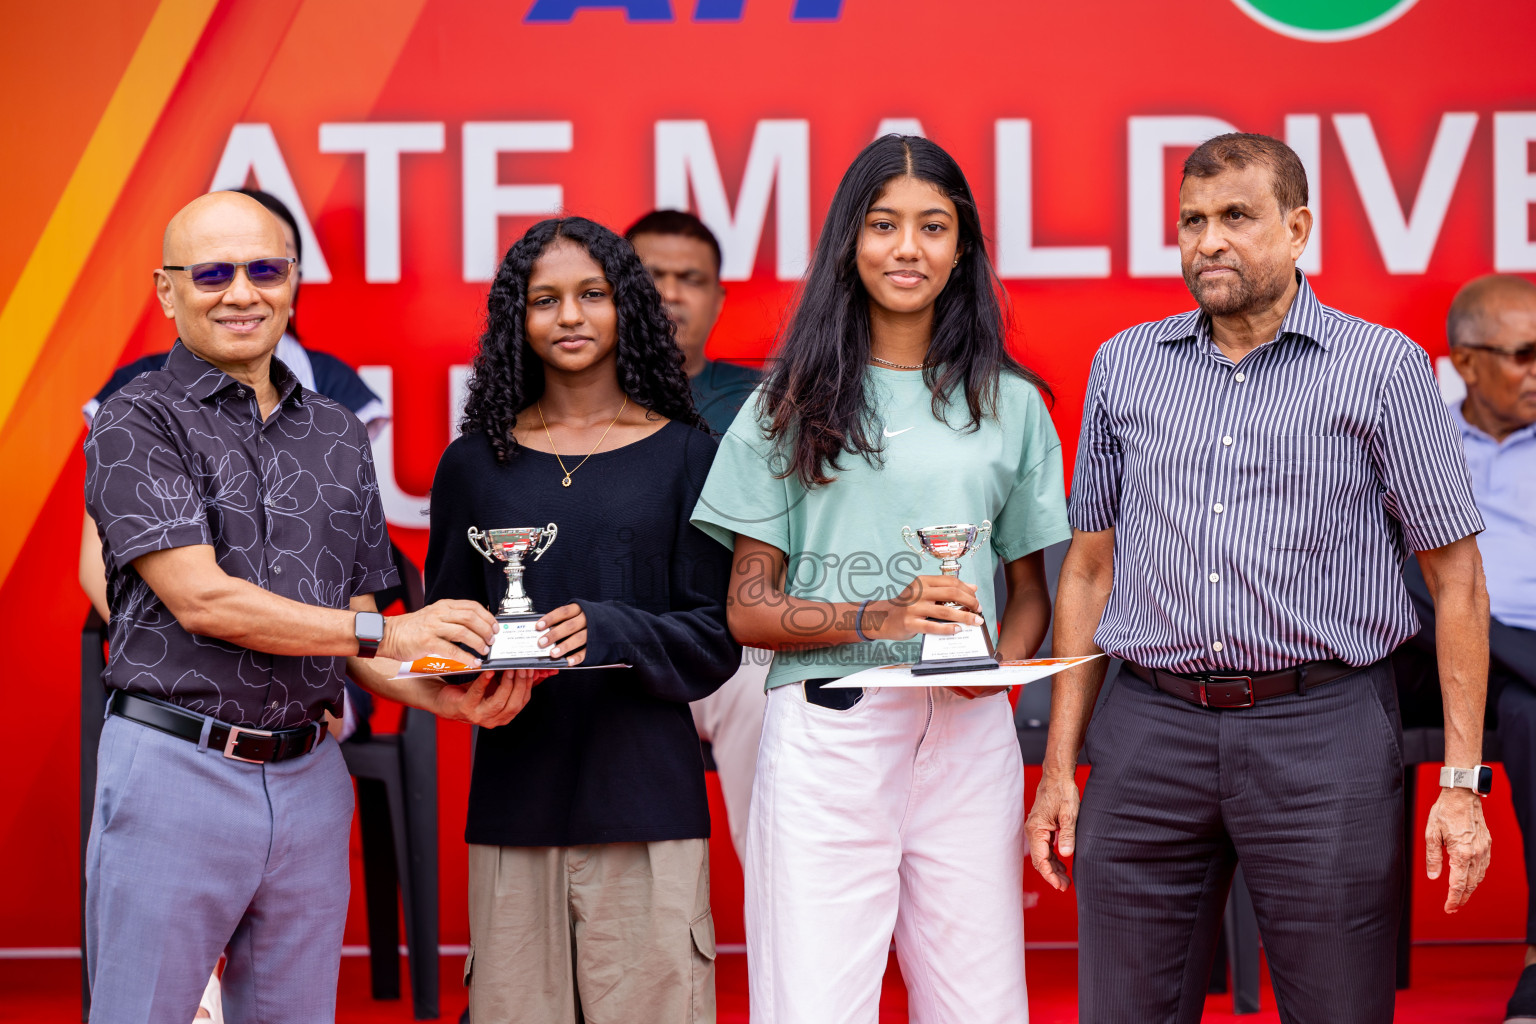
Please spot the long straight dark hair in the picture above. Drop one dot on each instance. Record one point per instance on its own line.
(814, 401)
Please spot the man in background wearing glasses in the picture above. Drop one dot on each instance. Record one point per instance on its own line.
(243, 538)
(1492, 331)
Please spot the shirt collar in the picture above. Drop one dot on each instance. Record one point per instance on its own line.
(1525, 433)
(205, 381)
(1304, 320)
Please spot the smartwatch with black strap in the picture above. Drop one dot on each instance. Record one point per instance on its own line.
(369, 629)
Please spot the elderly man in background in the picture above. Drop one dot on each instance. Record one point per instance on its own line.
(1492, 332)
(1250, 478)
(243, 538)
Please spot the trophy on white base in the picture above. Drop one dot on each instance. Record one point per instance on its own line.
(971, 649)
(517, 638)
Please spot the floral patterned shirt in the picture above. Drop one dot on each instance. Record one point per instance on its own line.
(182, 456)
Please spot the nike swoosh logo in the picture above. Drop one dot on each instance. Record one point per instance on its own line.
(890, 433)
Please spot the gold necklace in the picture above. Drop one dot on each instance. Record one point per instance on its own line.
(898, 366)
(555, 451)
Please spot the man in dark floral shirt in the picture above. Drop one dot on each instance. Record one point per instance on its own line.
(243, 536)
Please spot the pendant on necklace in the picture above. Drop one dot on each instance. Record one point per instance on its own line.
(567, 481)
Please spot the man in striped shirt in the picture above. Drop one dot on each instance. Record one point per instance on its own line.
(1250, 478)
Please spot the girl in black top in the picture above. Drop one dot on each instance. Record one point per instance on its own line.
(579, 414)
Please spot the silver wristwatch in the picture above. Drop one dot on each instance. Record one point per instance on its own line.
(1479, 778)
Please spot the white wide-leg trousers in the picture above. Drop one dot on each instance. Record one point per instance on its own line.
(901, 816)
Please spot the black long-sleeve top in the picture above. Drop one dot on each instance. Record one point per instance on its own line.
(598, 755)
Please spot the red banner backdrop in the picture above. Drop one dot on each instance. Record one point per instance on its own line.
(420, 137)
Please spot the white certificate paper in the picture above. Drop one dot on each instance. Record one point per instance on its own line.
(1008, 673)
(448, 669)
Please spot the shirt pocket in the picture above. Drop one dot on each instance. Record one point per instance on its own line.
(1312, 480)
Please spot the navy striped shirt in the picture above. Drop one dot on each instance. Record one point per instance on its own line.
(1263, 510)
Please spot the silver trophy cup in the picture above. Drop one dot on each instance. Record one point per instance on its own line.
(509, 547)
(517, 634)
(971, 649)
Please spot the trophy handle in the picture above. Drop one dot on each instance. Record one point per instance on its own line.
(984, 532)
(907, 533)
(549, 538)
(481, 543)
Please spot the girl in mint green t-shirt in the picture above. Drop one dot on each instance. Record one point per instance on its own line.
(875, 812)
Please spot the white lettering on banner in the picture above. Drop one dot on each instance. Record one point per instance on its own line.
(1304, 134)
(381, 144)
(1017, 255)
(1514, 192)
(900, 126)
(486, 199)
(400, 508)
(1149, 137)
(1406, 243)
(252, 154)
(778, 165)
(777, 171)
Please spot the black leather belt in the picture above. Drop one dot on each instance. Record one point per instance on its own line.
(237, 742)
(1240, 689)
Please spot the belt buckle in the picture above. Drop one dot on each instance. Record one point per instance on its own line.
(1245, 680)
(235, 732)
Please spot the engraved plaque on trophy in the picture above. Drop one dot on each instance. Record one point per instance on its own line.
(517, 636)
(971, 649)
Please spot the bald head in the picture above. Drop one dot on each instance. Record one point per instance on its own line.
(1482, 302)
(1492, 330)
(215, 218)
(235, 325)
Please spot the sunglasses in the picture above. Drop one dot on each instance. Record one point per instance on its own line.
(215, 277)
(1525, 355)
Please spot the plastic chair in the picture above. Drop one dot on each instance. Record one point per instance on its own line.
(1418, 683)
(397, 815)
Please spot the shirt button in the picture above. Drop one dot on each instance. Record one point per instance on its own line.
(1239, 377)
(1227, 440)
(1215, 577)
(1217, 646)
(241, 391)
(277, 570)
(1218, 508)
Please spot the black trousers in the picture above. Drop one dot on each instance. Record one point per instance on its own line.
(1305, 790)
(1511, 709)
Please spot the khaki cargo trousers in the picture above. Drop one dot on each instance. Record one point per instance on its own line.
(610, 933)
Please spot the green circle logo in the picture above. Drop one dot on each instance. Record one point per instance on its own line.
(1324, 21)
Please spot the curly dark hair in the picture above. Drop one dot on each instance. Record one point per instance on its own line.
(507, 378)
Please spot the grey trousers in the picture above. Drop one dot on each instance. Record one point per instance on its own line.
(191, 853)
(1305, 790)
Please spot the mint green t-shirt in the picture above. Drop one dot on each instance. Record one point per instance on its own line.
(843, 540)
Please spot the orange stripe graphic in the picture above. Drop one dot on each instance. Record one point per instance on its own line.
(317, 55)
(93, 189)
